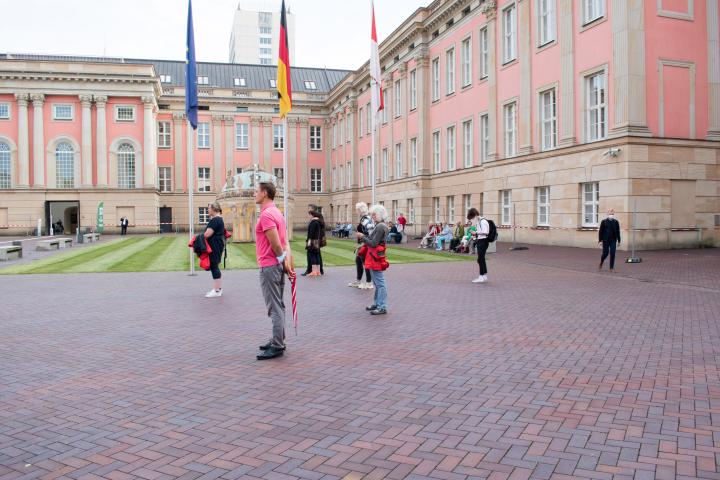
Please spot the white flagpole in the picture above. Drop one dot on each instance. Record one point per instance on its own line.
(191, 185)
(372, 155)
(285, 182)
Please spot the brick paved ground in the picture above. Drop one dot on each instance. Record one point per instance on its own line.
(546, 372)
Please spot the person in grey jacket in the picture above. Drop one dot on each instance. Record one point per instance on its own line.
(377, 237)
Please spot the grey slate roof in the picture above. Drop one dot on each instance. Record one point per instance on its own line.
(220, 75)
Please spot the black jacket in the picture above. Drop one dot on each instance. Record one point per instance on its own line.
(609, 231)
(199, 246)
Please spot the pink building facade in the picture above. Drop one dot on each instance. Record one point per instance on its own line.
(542, 114)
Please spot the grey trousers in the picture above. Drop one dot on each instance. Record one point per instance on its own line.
(272, 284)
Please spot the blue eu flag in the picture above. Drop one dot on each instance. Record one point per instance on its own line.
(191, 95)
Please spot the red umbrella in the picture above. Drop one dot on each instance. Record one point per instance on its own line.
(293, 290)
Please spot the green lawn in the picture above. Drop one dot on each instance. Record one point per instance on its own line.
(167, 253)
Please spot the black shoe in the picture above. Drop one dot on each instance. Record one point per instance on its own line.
(370, 308)
(271, 352)
(266, 346)
(304, 274)
(378, 311)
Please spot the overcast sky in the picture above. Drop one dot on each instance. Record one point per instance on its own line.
(330, 33)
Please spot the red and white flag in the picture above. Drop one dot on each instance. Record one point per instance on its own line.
(377, 102)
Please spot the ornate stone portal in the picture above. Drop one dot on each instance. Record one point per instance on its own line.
(237, 200)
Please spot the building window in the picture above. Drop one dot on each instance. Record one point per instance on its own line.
(546, 20)
(509, 115)
(509, 34)
(466, 59)
(239, 82)
(361, 123)
(348, 134)
(278, 137)
(310, 85)
(62, 112)
(165, 179)
(411, 210)
(242, 138)
(450, 71)
(361, 173)
(238, 170)
(398, 160)
(369, 118)
(386, 107)
(266, 61)
(265, 30)
(548, 120)
(334, 179)
(484, 137)
(203, 135)
(592, 10)
(413, 90)
(316, 184)
(126, 166)
(341, 130)
(64, 166)
(450, 200)
(595, 115)
(273, 83)
(398, 98)
(436, 209)
(467, 144)
(125, 113)
(4, 111)
(165, 78)
(450, 148)
(505, 204)
(315, 137)
(591, 204)
(334, 135)
(201, 80)
(203, 215)
(371, 164)
(164, 136)
(394, 210)
(279, 173)
(484, 53)
(348, 172)
(543, 206)
(413, 157)
(265, 51)
(435, 79)
(5, 166)
(467, 203)
(203, 179)
(385, 169)
(436, 151)
(265, 41)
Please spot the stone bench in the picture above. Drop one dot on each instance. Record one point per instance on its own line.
(91, 237)
(55, 243)
(6, 251)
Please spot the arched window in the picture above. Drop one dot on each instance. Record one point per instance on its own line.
(5, 166)
(64, 166)
(126, 166)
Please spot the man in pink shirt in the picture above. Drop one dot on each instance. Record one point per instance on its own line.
(272, 252)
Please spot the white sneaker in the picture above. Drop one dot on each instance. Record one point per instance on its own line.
(213, 293)
(485, 277)
(479, 279)
(368, 286)
(356, 283)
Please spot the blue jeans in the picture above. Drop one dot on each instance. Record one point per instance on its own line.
(441, 239)
(378, 278)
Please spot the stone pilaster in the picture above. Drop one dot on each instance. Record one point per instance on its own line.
(267, 127)
(713, 35)
(525, 56)
(218, 169)
(329, 186)
(628, 72)
(389, 82)
(23, 175)
(101, 140)
(292, 152)
(405, 148)
(229, 142)
(304, 150)
(38, 100)
(255, 125)
(86, 145)
(149, 150)
(489, 9)
(566, 95)
(422, 72)
(178, 122)
(352, 129)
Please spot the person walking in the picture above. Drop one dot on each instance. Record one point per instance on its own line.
(609, 236)
(482, 230)
(376, 242)
(215, 238)
(272, 252)
(123, 226)
(312, 243)
(364, 226)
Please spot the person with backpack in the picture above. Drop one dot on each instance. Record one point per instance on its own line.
(486, 233)
(375, 259)
(366, 227)
(215, 237)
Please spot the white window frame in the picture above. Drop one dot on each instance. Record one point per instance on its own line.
(58, 106)
(315, 139)
(596, 114)
(509, 33)
(450, 202)
(435, 73)
(506, 207)
(126, 172)
(203, 135)
(310, 85)
(6, 166)
(203, 215)
(484, 137)
(592, 10)
(590, 208)
(6, 108)
(164, 134)
(368, 112)
(361, 173)
(348, 134)
(484, 47)
(348, 173)
(131, 118)
(413, 157)
(361, 122)
(398, 160)
(437, 165)
(547, 109)
(397, 92)
(164, 179)
(411, 210)
(64, 165)
(386, 107)
(413, 89)
(334, 178)
(450, 79)
(341, 177)
(239, 82)
(467, 202)
(385, 166)
(436, 209)
(467, 128)
(203, 80)
(466, 61)
(341, 131)
(542, 211)
(316, 180)
(164, 78)
(334, 135)
(546, 16)
(450, 147)
(510, 124)
(278, 136)
(242, 136)
(204, 179)
(279, 173)
(273, 83)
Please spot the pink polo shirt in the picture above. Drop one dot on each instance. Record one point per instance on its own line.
(270, 218)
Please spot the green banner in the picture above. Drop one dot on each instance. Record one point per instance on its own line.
(100, 219)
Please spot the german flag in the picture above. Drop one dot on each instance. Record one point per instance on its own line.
(284, 83)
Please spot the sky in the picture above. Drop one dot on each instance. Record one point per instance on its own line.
(329, 33)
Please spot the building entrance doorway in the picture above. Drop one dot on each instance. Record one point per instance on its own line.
(66, 213)
(165, 220)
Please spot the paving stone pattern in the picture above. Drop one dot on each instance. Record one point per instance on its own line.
(548, 371)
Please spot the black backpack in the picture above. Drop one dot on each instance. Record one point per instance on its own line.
(492, 231)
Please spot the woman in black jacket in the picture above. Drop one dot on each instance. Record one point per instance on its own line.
(215, 237)
(315, 234)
